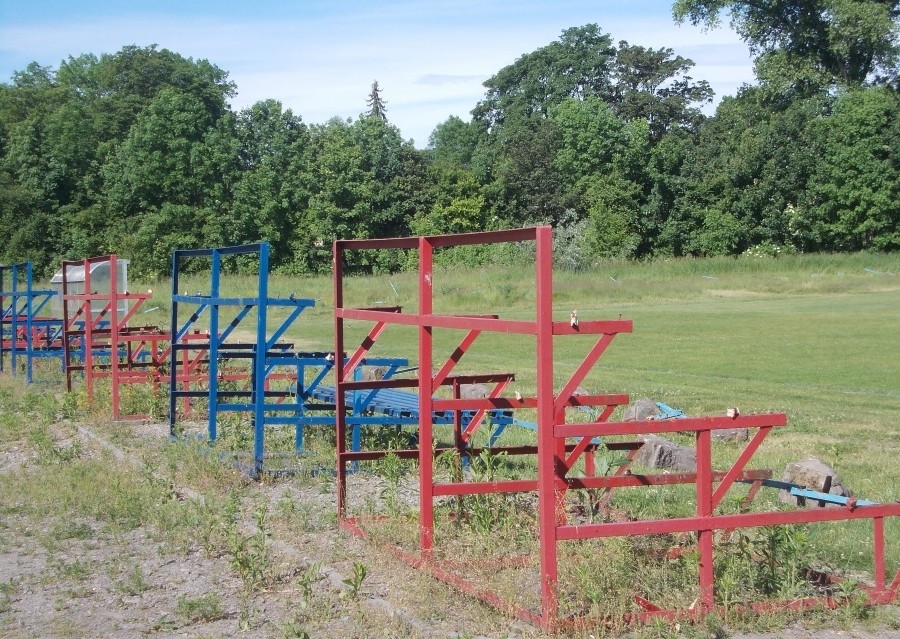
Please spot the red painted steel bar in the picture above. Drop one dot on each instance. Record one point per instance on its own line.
(485, 403)
(453, 360)
(340, 419)
(555, 457)
(663, 479)
(487, 237)
(594, 327)
(723, 522)
(478, 417)
(485, 487)
(705, 510)
(435, 569)
(98, 324)
(739, 464)
(426, 394)
(878, 552)
(686, 424)
(113, 333)
(364, 348)
(549, 477)
(576, 454)
(440, 321)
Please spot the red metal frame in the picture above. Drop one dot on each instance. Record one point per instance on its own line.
(100, 343)
(556, 458)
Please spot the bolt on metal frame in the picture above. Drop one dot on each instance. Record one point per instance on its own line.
(555, 456)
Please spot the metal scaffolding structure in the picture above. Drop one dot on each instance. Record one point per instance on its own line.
(25, 329)
(237, 375)
(560, 443)
(271, 381)
(98, 341)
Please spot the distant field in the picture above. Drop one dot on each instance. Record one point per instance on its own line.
(816, 337)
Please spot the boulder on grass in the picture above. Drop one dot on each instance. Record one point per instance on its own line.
(658, 452)
(374, 373)
(641, 410)
(731, 435)
(474, 391)
(812, 474)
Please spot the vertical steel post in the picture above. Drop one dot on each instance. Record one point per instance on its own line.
(259, 362)
(88, 344)
(29, 323)
(337, 268)
(426, 393)
(298, 430)
(114, 334)
(878, 553)
(14, 321)
(704, 509)
(213, 402)
(2, 313)
(66, 327)
(173, 352)
(546, 439)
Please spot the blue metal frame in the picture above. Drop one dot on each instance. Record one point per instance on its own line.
(392, 407)
(21, 306)
(265, 354)
(302, 404)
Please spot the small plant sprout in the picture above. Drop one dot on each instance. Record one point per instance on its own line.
(305, 582)
(355, 581)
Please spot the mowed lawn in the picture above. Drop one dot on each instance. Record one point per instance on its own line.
(816, 337)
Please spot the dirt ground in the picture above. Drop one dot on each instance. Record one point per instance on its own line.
(78, 578)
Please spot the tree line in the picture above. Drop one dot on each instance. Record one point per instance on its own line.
(139, 153)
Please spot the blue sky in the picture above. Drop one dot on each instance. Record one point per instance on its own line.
(319, 58)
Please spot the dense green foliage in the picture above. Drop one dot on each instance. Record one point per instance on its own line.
(139, 152)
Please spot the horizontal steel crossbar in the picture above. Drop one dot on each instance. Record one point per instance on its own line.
(687, 424)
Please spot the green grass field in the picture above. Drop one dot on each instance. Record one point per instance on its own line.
(816, 337)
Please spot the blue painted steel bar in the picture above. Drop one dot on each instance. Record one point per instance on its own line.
(177, 336)
(257, 363)
(799, 491)
(401, 408)
(667, 412)
(23, 332)
(816, 495)
(224, 335)
(214, 341)
(266, 359)
(288, 322)
(259, 367)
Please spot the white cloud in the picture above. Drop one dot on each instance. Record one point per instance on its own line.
(430, 59)
(437, 79)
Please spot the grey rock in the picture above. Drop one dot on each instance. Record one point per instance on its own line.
(474, 391)
(374, 373)
(658, 452)
(641, 410)
(731, 435)
(812, 474)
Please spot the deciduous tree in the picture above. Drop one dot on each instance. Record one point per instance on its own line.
(846, 41)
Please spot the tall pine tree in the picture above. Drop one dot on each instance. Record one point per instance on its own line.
(377, 108)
